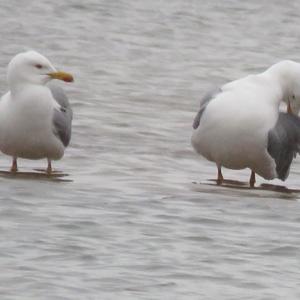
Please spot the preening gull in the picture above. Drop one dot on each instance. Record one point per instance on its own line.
(239, 125)
(35, 119)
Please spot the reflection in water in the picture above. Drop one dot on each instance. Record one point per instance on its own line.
(56, 176)
(235, 184)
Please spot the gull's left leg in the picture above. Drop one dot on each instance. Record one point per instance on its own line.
(14, 166)
(252, 179)
(49, 167)
(220, 176)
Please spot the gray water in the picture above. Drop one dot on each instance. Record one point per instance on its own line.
(137, 217)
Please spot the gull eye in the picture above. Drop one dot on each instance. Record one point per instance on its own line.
(38, 66)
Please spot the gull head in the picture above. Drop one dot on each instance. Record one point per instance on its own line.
(286, 74)
(33, 68)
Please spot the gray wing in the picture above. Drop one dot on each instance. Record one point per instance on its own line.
(62, 117)
(203, 103)
(284, 143)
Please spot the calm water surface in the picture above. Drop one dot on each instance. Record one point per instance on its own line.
(137, 218)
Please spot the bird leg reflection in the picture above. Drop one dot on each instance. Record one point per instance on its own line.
(289, 109)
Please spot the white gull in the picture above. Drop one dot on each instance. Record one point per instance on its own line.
(35, 119)
(240, 126)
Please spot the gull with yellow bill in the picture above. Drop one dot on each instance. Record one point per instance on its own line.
(35, 118)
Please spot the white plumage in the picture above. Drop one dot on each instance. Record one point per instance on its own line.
(28, 109)
(234, 126)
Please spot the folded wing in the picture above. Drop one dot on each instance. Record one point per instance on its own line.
(63, 115)
(284, 143)
(204, 102)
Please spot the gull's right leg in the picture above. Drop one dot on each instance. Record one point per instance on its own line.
(14, 166)
(220, 176)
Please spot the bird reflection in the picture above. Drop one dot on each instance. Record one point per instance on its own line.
(235, 184)
(37, 174)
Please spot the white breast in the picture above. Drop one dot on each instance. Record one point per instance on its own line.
(234, 128)
(26, 124)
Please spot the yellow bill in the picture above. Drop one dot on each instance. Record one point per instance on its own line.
(60, 75)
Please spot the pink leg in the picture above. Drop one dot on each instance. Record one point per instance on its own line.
(14, 166)
(252, 179)
(220, 176)
(49, 168)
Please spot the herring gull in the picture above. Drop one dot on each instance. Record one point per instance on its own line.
(35, 119)
(239, 125)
